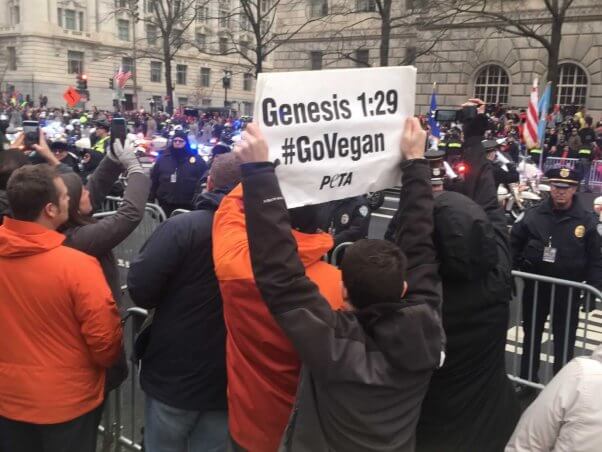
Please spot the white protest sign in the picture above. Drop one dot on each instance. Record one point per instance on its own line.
(336, 133)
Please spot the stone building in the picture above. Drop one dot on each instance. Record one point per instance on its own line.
(44, 44)
(463, 59)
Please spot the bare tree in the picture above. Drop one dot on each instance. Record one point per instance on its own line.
(252, 30)
(170, 21)
(543, 27)
(391, 16)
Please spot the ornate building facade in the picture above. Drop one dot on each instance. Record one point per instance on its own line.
(45, 43)
(464, 59)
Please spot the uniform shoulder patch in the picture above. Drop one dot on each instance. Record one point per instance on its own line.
(192, 160)
(344, 219)
(580, 231)
(364, 211)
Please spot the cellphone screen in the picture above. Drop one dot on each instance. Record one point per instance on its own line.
(445, 115)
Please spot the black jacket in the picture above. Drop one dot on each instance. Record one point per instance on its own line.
(175, 177)
(364, 373)
(350, 220)
(573, 233)
(100, 237)
(184, 362)
(4, 207)
(471, 404)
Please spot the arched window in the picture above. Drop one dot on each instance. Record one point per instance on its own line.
(572, 85)
(492, 85)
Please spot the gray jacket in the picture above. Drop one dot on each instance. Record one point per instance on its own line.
(99, 238)
(365, 373)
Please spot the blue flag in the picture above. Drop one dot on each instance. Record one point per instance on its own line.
(544, 105)
(432, 122)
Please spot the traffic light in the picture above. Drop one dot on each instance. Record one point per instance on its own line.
(82, 82)
(111, 83)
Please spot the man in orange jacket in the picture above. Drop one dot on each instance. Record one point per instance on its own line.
(263, 367)
(60, 326)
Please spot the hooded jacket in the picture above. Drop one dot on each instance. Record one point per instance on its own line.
(263, 366)
(59, 324)
(365, 373)
(566, 417)
(471, 404)
(184, 362)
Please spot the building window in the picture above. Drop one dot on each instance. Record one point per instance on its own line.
(15, 15)
(318, 8)
(316, 60)
(80, 16)
(224, 13)
(121, 3)
(410, 55)
(12, 58)
(244, 47)
(247, 108)
(572, 85)
(181, 70)
(492, 85)
(182, 101)
(149, 6)
(206, 102)
(201, 41)
(69, 21)
(155, 71)
(415, 4)
(366, 6)
(362, 58)
(203, 14)
(75, 62)
(223, 45)
(205, 76)
(127, 64)
(245, 23)
(151, 35)
(247, 82)
(123, 29)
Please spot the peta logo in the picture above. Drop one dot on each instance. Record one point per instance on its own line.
(336, 181)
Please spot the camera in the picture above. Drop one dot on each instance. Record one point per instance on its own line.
(462, 115)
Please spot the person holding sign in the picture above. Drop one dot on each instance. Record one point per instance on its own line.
(365, 370)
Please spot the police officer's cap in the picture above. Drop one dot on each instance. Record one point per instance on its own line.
(102, 124)
(490, 145)
(58, 146)
(563, 177)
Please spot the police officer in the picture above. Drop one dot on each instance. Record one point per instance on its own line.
(176, 174)
(349, 221)
(452, 145)
(102, 142)
(504, 172)
(586, 151)
(558, 238)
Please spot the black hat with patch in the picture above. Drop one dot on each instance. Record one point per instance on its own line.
(563, 177)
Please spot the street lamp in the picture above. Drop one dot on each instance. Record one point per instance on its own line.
(227, 80)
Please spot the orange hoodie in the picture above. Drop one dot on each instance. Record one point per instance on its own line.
(60, 327)
(263, 366)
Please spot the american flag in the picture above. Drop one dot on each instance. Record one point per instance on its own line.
(121, 78)
(530, 129)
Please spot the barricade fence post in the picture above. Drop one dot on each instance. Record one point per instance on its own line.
(569, 305)
(595, 178)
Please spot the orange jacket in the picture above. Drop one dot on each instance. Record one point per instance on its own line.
(60, 327)
(263, 366)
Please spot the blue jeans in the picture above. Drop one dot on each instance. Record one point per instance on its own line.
(169, 429)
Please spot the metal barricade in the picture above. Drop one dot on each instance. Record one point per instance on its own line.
(595, 178)
(111, 203)
(178, 212)
(334, 256)
(546, 313)
(558, 162)
(122, 423)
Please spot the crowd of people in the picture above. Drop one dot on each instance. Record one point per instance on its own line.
(256, 343)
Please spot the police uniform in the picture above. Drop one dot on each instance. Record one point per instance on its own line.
(175, 177)
(563, 244)
(102, 144)
(350, 220)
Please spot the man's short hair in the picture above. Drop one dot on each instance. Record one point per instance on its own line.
(225, 170)
(9, 162)
(374, 272)
(30, 189)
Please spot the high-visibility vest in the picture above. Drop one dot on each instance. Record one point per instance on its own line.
(585, 152)
(535, 151)
(454, 145)
(99, 146)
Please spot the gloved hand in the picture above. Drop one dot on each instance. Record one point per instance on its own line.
(127, 157)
